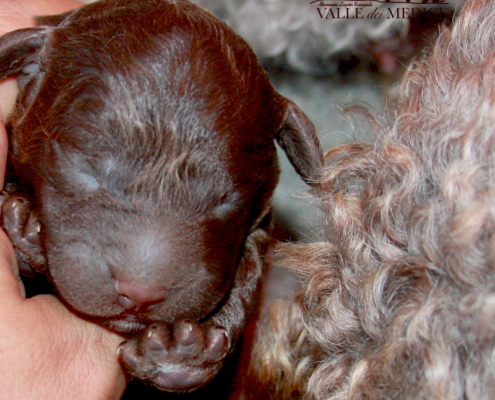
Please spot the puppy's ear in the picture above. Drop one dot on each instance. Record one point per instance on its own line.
(299, 140)
(19, 49)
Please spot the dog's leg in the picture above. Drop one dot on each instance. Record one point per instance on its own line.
(185, 355)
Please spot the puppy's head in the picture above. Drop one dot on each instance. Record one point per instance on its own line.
(146, 131)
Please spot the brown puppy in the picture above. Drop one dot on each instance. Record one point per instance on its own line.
(144, 139)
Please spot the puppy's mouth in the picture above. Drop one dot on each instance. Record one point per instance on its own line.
(130, 318)
(126, 324)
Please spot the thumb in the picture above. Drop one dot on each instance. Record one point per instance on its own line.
(8, 92)
(11, 287)
(10, 284)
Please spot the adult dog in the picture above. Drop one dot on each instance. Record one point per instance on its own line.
(399, 302)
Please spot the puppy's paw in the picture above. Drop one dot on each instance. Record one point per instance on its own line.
(177, 358)
(23, 229)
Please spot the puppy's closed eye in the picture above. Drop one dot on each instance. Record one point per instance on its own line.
(146, 129)
(76, 173)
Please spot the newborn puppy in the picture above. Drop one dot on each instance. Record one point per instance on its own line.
(143, 143)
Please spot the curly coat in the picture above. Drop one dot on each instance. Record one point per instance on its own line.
(302, 35)
(399, 302)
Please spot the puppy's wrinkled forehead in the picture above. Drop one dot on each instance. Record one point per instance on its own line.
(166, 90)
(174, 69)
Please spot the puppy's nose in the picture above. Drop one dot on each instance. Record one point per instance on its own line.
(136, 297)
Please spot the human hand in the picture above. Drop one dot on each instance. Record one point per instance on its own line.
(47, 352)
(17, 14)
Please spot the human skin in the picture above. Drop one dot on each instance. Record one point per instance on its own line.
(46, 351)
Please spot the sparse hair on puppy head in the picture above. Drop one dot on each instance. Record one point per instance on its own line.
(142, 150)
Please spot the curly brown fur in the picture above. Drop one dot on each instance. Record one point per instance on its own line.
(303, 36)
(399, 303)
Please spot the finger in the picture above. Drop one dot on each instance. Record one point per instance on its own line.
(9, 273)
(8, 94)
(8, 90)
(11, 287)
(43, 7)
(10, 282)
(17, 14)
(92, 359)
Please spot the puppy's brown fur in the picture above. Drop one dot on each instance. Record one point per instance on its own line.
(144, 139)
(398, 303)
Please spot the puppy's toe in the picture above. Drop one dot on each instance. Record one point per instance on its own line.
(189, 340)
(23, 229)
(217, 344)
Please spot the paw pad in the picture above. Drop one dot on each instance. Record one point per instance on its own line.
(176, 357)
